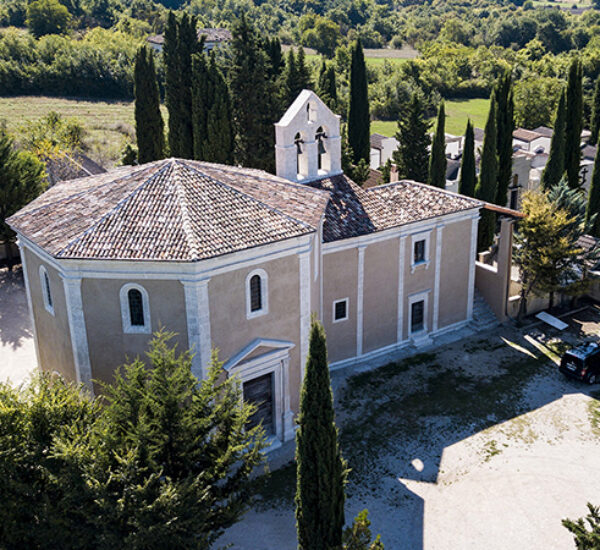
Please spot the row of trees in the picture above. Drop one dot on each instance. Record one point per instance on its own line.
(223, 111)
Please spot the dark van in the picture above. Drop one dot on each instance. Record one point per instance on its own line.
(582, 363)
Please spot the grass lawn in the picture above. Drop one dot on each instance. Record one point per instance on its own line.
(457, 113)
(108, 124)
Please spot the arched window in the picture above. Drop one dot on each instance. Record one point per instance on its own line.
(256, 293)
(46, 290)
(135, 309)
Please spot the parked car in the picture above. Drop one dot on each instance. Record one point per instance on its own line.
(582, 363)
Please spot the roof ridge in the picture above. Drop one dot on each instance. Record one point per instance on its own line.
(239, 192)
(186, 222)
(116, 207)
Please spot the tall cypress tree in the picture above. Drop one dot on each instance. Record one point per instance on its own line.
(593, 205)
(468, 177)
(321, 470)
(202, 98)
(327, 85)
(505, 125)
(555, 166)
(488, 178)
(180, 44)
(437, 160)
(412, 155)
(595, 122)
(289, 81)
(219, 146)
(358, 109)
(149, 126)
(252, 99)
(302, 72)
(275, 55)
(574, 124)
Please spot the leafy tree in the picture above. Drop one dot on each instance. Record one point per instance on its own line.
(252, 99)
(386, 172)
(412, 155)
(180, 44)
(358, 536)
(52, 136)
(468, 177)
(322, 34)
(505, 126)
(358, 109)
(530, 112)
(488, 178)
(586, 531)
(327, 85)
(361, 172)
(21, 181)
(555, 167)
(321, 470)
(541, 245)
(437, 160)
(574, 124)
(149, 126)
(129, 155)
(47, 17)
(164, 463)
(595, 123)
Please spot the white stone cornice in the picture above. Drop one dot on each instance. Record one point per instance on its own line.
(198, 322)
(79, 343)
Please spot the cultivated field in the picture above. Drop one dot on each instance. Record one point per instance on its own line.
(108, 124)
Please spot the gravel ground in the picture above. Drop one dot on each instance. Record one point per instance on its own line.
(17, 349)
(478, 445)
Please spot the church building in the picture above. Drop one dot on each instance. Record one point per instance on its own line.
(238, 260)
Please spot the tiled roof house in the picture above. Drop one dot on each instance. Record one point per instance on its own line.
(239, 259)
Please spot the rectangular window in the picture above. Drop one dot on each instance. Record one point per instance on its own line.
(417, 316)
(419, 251)
(340, 310)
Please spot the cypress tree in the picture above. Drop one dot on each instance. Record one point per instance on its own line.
(180, 44)
(468, 178)
(574, 124)
(219, 145)
(488, 179)
(252, 99)
(593, 205)
(149, 126)
(358, 109)
(304, 80)
(289, 81)
(321, 470)
(202, 98)
(327, 85)
(412, 156)
(275, 55)
(505, 126)
(595, 123)
(437, 160)
(555, 166)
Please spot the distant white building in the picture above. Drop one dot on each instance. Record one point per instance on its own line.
(212, 39)
(382, 149)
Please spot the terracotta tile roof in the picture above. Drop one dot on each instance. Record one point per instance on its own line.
(183, 210)
(353, 211)
(171, 210)
(70, 167)
(526, 135)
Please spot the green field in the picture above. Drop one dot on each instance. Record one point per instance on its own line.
(457, 113)
(108, 124)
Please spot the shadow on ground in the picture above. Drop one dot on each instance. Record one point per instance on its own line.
(15, 325)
